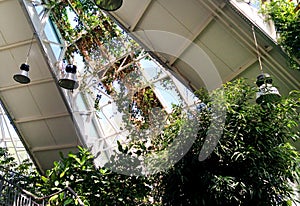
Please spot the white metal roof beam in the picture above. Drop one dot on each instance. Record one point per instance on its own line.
(17, 44)
(248, 40)
(240, 70)
(1, 1)
(31, 119)
(193, 38)
(22, 85)
(140, 16)
(54, 147)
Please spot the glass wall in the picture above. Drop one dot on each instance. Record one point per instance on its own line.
(115, 75)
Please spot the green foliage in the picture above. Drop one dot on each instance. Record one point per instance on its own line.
(286, 17)
(94, 186)
(77, 171)
(91, 33)
(252, 164)
(6, 159)
(23, 175)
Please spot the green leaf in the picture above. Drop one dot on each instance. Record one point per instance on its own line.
(44, 179)
(53, 198)
(68, 201)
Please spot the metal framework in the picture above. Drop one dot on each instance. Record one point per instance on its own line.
(9, 138)
(101, 126)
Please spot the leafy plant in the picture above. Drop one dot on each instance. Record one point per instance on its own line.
(286, 17)
(253, 163)
(94, 186)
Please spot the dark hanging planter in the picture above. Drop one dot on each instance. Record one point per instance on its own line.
(267, 93)
(109, 5)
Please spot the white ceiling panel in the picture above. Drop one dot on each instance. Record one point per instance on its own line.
(48, 99)
(191, 15)
(2, 42)
(13, 23)
(37, 134)
(134, 7)
(215, 25)
(195, 80)
(223, 69)
(37, 109)
(8, 66)
(197, 73)
(21, 103)
(152, 20)
(63, 130)
(228, 47)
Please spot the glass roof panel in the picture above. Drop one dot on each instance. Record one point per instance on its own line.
(9, 138)
(116, 77)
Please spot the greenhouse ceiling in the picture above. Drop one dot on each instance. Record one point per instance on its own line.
(201, 40)
(37, 110)
(204, 43)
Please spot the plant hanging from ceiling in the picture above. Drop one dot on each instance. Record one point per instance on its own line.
(86, 29)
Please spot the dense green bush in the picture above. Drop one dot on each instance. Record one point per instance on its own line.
(253, 163)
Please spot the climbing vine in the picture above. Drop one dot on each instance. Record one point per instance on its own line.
(286, 17)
